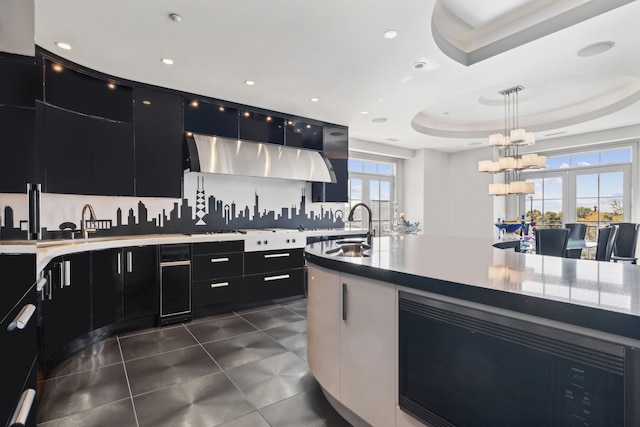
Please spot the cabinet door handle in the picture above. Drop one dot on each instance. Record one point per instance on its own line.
(219, 285)
(21, 413)
(22, 318)
(119, 258)
(66, 268)
(49, 288)
(219, 259)
(41, 286)
(129, 262)
(281, 255)
(280, 277)
(344, 301)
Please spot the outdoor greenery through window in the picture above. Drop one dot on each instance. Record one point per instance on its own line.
(586, 187)
(372, 182)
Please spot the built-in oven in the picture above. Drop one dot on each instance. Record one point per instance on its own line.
(175, 283)
(464, 365)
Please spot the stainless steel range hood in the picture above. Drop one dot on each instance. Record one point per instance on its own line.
(212, 154)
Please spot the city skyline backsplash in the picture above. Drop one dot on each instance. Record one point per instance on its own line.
(211, 203)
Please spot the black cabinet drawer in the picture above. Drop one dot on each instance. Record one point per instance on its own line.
(265, 261)
(282, 284)
(20, 275)
(211, 292)
(218, 247)
(217, 265)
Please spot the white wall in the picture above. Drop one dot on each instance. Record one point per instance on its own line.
(447, 194)
(17, 27)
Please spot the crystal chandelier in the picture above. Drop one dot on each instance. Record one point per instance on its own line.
(510, 162)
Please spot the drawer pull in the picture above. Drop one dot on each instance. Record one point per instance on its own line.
(174, 263)
(284, 254)
(22, 318)
(66, 272)
(219, 259)
(21, 414)
(219, 285)
(280, 277)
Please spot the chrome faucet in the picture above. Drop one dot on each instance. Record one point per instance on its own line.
(370, 232)
(92, 218)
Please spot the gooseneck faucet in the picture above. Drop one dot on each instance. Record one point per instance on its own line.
(92, 218)
(370, 232)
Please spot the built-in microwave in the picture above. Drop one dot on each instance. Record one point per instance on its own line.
(471, 365)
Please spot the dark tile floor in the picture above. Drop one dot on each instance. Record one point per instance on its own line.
(241, 369)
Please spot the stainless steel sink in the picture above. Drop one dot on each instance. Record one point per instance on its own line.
(357, 249)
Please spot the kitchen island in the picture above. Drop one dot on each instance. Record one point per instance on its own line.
(362, 314)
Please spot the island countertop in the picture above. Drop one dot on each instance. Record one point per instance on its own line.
(603, 296)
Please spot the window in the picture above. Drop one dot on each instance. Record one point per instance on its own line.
(589, 187)
(372, 182)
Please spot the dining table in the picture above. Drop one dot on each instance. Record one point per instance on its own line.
(529, 246)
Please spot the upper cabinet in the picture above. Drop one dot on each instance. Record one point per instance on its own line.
(18, 76)
(259, 127)
(336, 148)
(302, 134)
(17, 122)
(75, 91)
(158, 143)
(210, 119)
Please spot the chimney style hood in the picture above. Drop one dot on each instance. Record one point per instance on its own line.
(212, 154)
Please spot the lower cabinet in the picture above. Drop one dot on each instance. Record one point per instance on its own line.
(66, 303)
(217, 269)
(18, 338)
(125, 284)
(273, 274)
(352, 342)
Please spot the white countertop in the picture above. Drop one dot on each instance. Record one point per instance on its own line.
(46, 250)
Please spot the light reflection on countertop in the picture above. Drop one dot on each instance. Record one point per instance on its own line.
(474, 262)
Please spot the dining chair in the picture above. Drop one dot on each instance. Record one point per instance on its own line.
(576, 231)
(625, 247)
(552, 241)
(606, 241)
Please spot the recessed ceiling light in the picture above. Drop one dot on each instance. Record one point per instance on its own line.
(175, 17)
(194, 103)
(596, 48)
(475, 143)
(419, 65)
(189, 134)
(63, 45)
(390, 34)
(364, 112)
(392, 139)
(556, 133)
(249, 82)
(314, 99)
(379, 120)
(146, 102)
(57, 67)
(167, 61)
(111, 85)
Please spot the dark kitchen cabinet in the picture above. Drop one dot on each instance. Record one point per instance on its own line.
(76, 91)
(273, 274)
(86, 155)
(302, 134)
(19, 80)
(66, 143)
(258, 127)
(66, 304)
(217, 269)
(159, 133)
(18, 343)
(112, 158)
(17, 163)
(124, 284)
(210, 119)
(336, 149)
